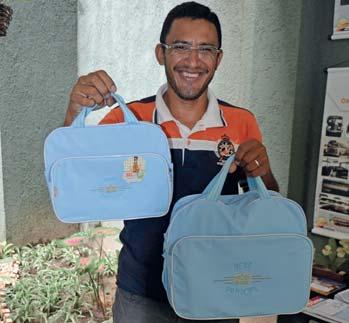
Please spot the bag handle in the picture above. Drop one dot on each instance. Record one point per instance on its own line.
(214, 188)
(79, 121)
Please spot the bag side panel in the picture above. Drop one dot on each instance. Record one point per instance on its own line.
(110, 188)
(225, 277)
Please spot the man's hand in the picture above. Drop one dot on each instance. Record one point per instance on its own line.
(253, 158)
(89, 90)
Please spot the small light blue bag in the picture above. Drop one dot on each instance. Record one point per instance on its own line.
(238, 255)
(108, 172)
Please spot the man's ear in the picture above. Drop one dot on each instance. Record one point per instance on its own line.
(219, 58)
(160, 54)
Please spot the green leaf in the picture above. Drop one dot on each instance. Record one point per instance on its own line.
(339, 262)
(333, 244)
(322, 260)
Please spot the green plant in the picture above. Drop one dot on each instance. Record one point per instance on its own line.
(6, 249)
(49, 294)
(333, 255)
(39, 257)
(110, 263)
(62, 281)
(94, 262)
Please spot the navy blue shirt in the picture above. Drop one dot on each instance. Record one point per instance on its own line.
(196, 158)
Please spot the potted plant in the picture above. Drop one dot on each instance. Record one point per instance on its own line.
(332, 261)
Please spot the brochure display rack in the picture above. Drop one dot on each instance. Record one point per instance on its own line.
(331, 211)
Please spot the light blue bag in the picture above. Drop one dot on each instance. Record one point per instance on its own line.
(236, 255)
(108, 172)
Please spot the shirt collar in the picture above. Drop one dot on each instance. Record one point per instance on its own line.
(212, 117)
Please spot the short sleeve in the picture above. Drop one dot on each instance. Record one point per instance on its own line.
(253, 131)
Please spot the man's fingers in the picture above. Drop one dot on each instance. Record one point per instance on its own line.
(95, 81)
(233, 168)
(260, 171)
(248, 151)
(110, 101)
(101, 82)
(89, 92)
(82, 100)
(90, 89)
(109, 83)
(258, 162)
(244, 148)
(252, 155)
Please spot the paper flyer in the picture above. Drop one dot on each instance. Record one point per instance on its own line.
(341, 20)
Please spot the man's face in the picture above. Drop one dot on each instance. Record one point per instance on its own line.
(190, 74)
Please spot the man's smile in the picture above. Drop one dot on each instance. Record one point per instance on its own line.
(189, 75)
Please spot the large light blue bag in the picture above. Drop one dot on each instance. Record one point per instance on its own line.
(108, 172)
(238, 255)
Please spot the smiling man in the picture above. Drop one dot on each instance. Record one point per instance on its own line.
(202, 132)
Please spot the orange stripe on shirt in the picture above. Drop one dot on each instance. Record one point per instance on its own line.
(241, 123)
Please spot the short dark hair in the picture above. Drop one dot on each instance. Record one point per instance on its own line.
(191, 10)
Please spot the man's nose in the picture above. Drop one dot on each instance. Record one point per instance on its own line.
(193, 57)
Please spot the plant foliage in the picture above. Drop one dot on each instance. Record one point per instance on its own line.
(62, 281)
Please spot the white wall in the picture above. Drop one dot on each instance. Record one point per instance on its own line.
(120, 37)
(258, 71)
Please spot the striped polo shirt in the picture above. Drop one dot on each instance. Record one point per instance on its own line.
(197, 156)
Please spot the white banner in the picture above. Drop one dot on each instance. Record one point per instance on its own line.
(331, 211)
(341, 20)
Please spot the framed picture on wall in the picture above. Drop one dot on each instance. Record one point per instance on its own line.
(341, 20)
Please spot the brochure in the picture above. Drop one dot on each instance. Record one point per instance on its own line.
(326, 286)
(343, 296)
(329, 310)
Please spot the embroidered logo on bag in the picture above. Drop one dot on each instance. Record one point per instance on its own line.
(225, 149)
(243, 279)
(235, 291)
(134, 169)
(242, 283)
(107, 189)
(110, 189)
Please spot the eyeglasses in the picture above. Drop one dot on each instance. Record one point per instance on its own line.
(181, 49)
